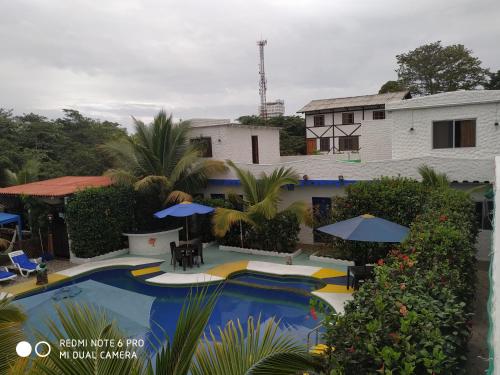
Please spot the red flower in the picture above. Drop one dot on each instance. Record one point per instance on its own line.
(401, 266)
(313, 313)
(380, 262)
(443, 218)
(351, 349)
(402, 286)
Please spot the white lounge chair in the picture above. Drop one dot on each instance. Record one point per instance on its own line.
(6, 275)
(22, 263)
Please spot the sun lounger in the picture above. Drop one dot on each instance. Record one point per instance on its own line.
(5, 275)
(22, 263)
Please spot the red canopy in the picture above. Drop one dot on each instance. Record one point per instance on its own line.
(57, 187)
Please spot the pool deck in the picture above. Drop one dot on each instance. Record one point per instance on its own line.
(218, 265)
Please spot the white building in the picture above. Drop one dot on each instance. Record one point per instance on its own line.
(414, 132)
(350, 126)
(275, 109)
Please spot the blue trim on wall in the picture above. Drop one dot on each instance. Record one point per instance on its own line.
(233, 182)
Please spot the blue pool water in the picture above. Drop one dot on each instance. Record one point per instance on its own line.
(140, 308)
(277, 282)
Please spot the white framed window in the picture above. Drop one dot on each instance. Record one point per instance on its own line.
(454, 133)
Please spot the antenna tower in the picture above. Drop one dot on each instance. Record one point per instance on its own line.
(262, 81)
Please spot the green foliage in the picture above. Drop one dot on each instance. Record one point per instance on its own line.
(396, 199)
(292, 132)
(11, 321)
(35, 139)
(160, 154)
(414, 317)
(281, 233)
(203, 228)
(392, 86)
(493, 81)
(97, 217)
(433, 179)
(434, 68)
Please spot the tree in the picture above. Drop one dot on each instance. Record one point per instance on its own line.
(493, 82)
(11, 321)
(392, 86)
(261, 197)
(28, 173)
(292, 131)
(160, 155)
(431, 178)
(433, 68)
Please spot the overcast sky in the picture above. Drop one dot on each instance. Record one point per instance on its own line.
(111, 59)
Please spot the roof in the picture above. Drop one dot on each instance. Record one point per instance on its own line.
(203, 122)
(57, 187)
(448, 99)
(353, 101)
(236, 125)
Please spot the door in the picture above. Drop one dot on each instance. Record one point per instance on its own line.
(255, 149)
(311, 146)
(60, 237)
(321, 211)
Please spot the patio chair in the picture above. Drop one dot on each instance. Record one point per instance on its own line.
(6, 275)
(198, 251)
(22, 263)
(178, 256)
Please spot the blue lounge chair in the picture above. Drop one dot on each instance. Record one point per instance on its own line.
(22, 263)
(6, 275)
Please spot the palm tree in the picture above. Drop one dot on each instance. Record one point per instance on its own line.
(431, 178)
(159, 154)
(28, 173)
(185, 353)
(259, 350)
(261, 197)
(11, 320)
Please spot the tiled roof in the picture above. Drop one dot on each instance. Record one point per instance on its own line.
(447, 99)
(353, 101)
(57, 187)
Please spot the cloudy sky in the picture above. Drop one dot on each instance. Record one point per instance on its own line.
(112, 59)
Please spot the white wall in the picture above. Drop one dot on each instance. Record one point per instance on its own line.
(235, 142)
(495, 276)
(375, 135)
(417, 143)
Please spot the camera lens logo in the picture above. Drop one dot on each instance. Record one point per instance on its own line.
(24, 349)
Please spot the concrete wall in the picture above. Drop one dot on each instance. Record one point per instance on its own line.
(235, 142)
(418, 143)
(495, 280)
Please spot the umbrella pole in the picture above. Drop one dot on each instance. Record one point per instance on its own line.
(241, 235)
(187, 230)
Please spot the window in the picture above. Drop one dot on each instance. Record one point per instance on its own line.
(324, 144)
(322, 207)
(347, 118)
(378, 115)
(319, 120)
(454, 133)
(255, 149)
(349, 143)
(205, 145)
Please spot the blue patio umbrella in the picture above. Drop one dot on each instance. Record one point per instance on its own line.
(184, 209)
(367, 228)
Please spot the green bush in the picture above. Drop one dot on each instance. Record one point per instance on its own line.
(280, 233)
(97, 217)
(414, 316)
(396, 199)
(203, 226)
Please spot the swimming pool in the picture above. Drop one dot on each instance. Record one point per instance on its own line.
(142, 309)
